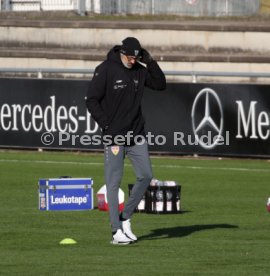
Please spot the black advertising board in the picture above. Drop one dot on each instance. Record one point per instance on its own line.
(34, 113)
(186, 118)
(211, 119)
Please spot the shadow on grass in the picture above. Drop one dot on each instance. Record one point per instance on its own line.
(182, 231)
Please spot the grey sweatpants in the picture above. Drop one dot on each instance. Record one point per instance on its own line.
(114, 165)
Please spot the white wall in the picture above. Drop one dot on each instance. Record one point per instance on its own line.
(163, 39)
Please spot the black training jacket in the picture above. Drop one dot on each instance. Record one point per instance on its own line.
(115, 93)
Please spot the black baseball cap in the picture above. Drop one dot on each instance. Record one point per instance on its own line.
(131, 47)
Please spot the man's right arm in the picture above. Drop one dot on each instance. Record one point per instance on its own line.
(95, 93)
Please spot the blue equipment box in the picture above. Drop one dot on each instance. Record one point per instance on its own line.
(69, 194)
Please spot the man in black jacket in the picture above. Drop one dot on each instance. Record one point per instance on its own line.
(114, 101)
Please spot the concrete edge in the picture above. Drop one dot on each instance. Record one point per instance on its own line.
(166, 57)
(196, 25)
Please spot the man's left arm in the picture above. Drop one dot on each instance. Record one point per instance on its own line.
(155, 78)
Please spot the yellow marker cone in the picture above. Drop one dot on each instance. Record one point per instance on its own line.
(68, 241)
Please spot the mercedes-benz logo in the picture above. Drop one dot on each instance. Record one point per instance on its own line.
(207, 118)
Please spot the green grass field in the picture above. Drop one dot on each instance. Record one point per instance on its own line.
(223, 230)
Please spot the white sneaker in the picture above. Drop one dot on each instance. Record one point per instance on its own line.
(120, 238)
(126, 226)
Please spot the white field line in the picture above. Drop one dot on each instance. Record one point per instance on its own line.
(128, 165)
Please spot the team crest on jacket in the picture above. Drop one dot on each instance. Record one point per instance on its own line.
(115, 150)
